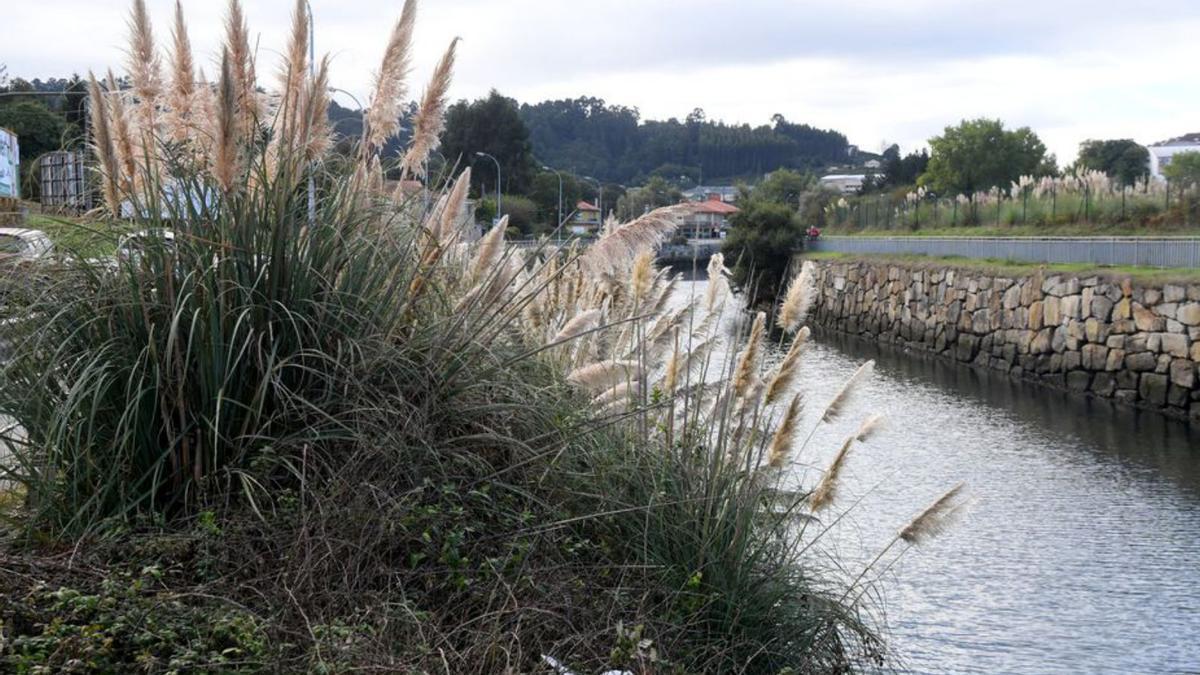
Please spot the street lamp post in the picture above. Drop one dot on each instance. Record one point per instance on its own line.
(484, 154)
(560, 191)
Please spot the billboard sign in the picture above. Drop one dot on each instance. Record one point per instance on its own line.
(10, 160)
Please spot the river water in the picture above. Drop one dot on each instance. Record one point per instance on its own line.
(1080, 552)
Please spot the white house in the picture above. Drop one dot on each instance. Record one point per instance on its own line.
(1161, 153)
(847, 184)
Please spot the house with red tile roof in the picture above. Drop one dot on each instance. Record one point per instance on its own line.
(586, 219)
(708, 219)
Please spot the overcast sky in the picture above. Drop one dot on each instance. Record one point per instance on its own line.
(877, 70)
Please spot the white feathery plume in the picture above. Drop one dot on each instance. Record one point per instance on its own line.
(826, 490)
(490, 252)
(383, 115)
(747, 363)
(870, 427)
(581, 323)
(936, 518)
(622, 244)
(182, 96)
(616, 394)
(785, 374)
(102, 143)
(799, 298)
(145, 69)
(445, 227)
(431, 117)
(784, 439)
(846, 393)
(604, 375)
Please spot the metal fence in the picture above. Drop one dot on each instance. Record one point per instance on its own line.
(1132, 251)
(64, 182)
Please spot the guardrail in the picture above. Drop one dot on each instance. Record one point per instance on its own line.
(1130, 251)
(698, 250)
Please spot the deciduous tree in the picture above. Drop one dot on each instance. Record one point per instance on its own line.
(981, 154)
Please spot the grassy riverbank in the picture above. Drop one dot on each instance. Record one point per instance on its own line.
(1140, 275)
(1061, 230)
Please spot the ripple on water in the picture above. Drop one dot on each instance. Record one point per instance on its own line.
(1081, 552)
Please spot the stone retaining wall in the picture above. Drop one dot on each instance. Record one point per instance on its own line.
(1135, 345)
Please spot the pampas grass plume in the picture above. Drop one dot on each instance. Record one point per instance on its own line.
(846, 393)
(936, 518)
(784, 438)
(430, 120)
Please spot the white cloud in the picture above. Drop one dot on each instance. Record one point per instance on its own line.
(874, 69)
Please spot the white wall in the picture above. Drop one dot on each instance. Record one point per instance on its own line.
(1158, 154)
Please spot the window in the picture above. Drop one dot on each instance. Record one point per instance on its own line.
(10, 245)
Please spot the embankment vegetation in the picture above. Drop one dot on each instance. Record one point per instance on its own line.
(349, 433)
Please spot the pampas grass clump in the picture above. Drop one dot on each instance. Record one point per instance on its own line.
(408, 427)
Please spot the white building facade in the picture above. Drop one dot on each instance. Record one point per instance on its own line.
(1161, 153)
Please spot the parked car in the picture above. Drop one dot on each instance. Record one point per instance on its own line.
(131, 246)
(22, 245)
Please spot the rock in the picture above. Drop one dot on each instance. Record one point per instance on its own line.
(1116, 342)
(1153, 389)
(1035, 315)
(1127, 379)
(1166, 310)
(966, 348)
(1126, 396)
(1102, 308)
(1080, 380)
(1122, 310)
(1012, 297)
(1195, 414)
(1141, 362)
(981, 322)
(1095, 330)
(1104, 384)
(1189, 314)
(1177, 396)
(1136, 343)
(1072, 361)
(1175, 345)
(1059, 342)
(1052, 311)
(1196, 351)
(1095, 357)
(1147, 320)
(1124, 327)
(1153, 296)
(1024, 341)
(1183, 373)
(1174, 293)
(1070, 306)
(1174, 326)
(1193, 293)
(1163, 366)
(1043, 342)
(1116, 358)
(1154, 342)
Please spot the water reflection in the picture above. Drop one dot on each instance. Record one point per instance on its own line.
(1082, 551)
